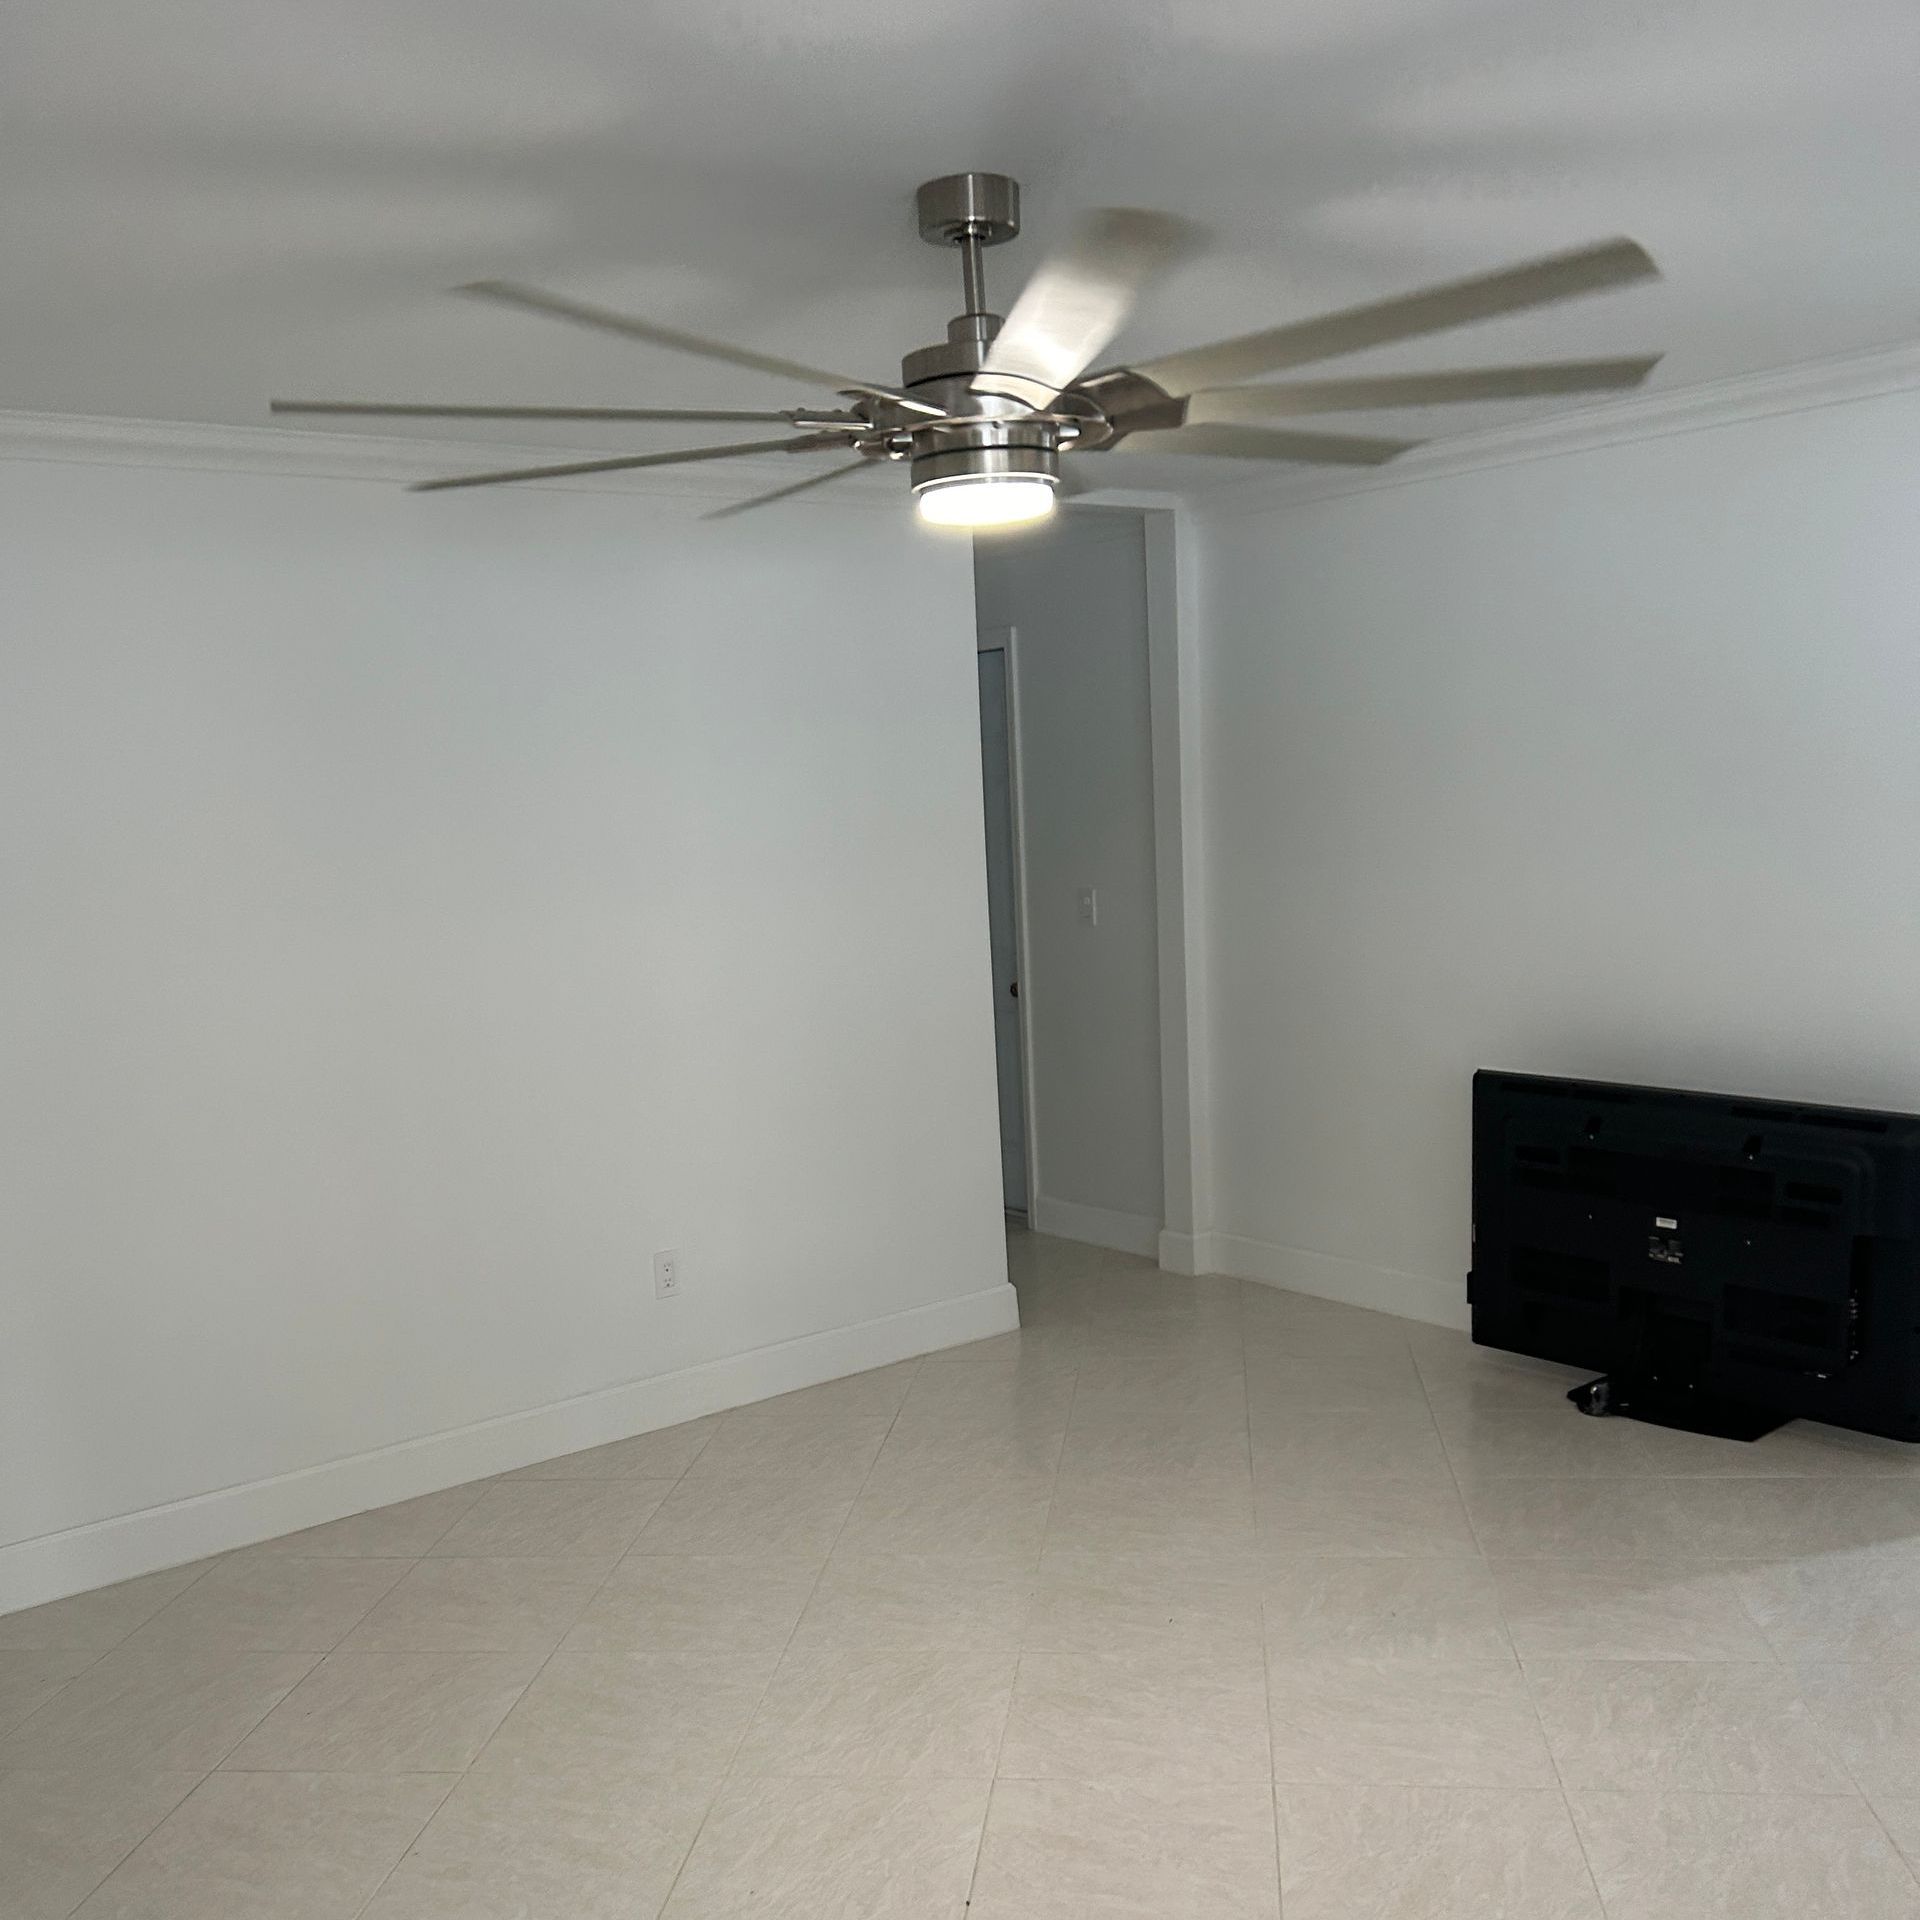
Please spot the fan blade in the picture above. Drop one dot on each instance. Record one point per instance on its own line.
(799, 486)
(1538, 283)
(624, 463)
(1269, 443)
(1284, 399)
(380, 409)
(511, 294)
(1079, 298)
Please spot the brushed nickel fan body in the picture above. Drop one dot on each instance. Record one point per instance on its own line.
(1002, 401)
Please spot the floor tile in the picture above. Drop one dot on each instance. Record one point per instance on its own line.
(1857, 1606)
(1284, 1326)
(1111, 1442)
(479, 1606)
(1430, 1853)
(1898, 1810)
(273, 1603)
(1337, 1446)
(61, 1834)
(1487, 1386)
(933, 1510)
(401, 1532)
(388, 1713)
(1077, 1850)
(1492, 1443)
(296, 1846)
(1334, 1380)
(668, 1603)
(1367, 1517)
(899, 1603)
(781, 1848)
(1163, 1716)
(1405, 1723)
(1626, 1610)
(1118, 1511)
(1408, 1607)
(1458, 1373)
(1591, 1519)
(662, 1455)
(1802, 1447)
(1871, 1717)
(1144, 1611)
(1709, 1856)
(631, 1715)
(748, 1519)
(1704, 1726)
(832, 1456)
(31, 1676)
(1751, 1519)
(183, 1707)
(555, 1520)
(100, 1619)
(881, 1716)
(532, 1847)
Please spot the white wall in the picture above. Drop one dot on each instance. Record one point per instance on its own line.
(1076, 592)
(1607, 764)
(416, 913)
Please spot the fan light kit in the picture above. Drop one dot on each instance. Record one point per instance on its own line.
(983, 419)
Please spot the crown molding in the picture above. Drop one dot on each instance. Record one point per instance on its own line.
(1800, 388)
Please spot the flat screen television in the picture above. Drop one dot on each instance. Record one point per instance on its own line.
(1727, 1264)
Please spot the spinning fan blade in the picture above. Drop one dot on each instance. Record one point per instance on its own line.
(1269, 443)
(626, 462)
(1538, 283)
(607, 321)
(1283, 399)
(380, 409)
(799, 486)
(1078, 299)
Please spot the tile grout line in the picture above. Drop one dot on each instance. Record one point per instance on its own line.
(20, 1725)
(1020, 1653)
(726, 1775)
(1513, 1650)
(1266, 1651)
(494, 1481)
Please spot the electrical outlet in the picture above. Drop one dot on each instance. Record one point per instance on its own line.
(667, 1274)
(1087, 905)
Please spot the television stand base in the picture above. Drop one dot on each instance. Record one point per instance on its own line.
(1683, 1408)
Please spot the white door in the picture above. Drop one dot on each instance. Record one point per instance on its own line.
(1003, 910)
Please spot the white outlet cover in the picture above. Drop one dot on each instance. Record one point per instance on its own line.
(669, 1274)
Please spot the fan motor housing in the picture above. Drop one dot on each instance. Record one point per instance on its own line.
(986, 450)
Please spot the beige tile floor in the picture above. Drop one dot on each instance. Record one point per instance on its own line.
(1192, 1598)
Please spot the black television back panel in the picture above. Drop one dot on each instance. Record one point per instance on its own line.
(1729, 1264)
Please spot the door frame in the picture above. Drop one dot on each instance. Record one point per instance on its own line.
(1006, 640)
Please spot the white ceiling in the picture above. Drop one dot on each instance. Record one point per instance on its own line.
(205, 202)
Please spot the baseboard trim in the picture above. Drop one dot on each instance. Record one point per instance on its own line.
(1180, 1253)
(1327, 1276)
(57, 1564)
(1097, 1226)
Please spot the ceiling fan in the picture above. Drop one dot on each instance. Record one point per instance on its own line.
(983, 419)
